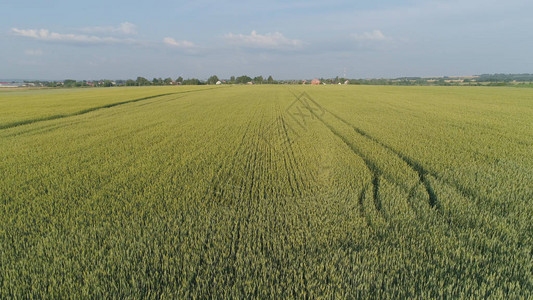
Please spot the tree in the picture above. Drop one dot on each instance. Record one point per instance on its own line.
(167, 81)
(232, 79)
(243, 79)
(212, 80)
(69, 83)
(179, 80)
(258, 79)
(270, 80)
(141, 81)
(192, 81)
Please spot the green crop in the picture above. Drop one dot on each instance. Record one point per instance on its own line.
(267, 192)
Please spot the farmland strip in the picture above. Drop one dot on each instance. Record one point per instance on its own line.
(88, 110)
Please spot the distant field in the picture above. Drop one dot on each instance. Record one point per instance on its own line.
(22, 106)
(267, 192)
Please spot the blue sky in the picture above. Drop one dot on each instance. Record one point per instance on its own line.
(297, 39)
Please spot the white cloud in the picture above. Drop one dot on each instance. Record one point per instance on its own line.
(178, 44)
(123, 28)
(46, 35)
(267, 41)
(375, 35)
(34, 52)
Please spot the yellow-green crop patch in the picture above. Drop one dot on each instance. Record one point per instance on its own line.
(267, 192)
(27, 106)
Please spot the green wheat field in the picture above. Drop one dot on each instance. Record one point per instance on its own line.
(266, 192)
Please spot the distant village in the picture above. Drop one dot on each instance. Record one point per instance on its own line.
(476, 80)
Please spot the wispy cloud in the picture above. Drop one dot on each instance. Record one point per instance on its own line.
(34, 52)
(266, 41)
(178, 44)
(375, 35)
(123, 28)
(46, 35)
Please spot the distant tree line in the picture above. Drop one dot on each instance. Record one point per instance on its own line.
(244, 79)
(522, 80)
(505, 77)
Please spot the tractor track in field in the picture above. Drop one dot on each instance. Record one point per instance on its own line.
(284, 153)
(375, 170)
(222, 187)
(214, 184)
(371, 166)
(423, 173)
(414, 165)
(246, 202)
(41, 129)
(361, 200)
(216, 181)
(299, 195)
(241, 214)
(161, 101)
(292, 158)
(88, 110)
